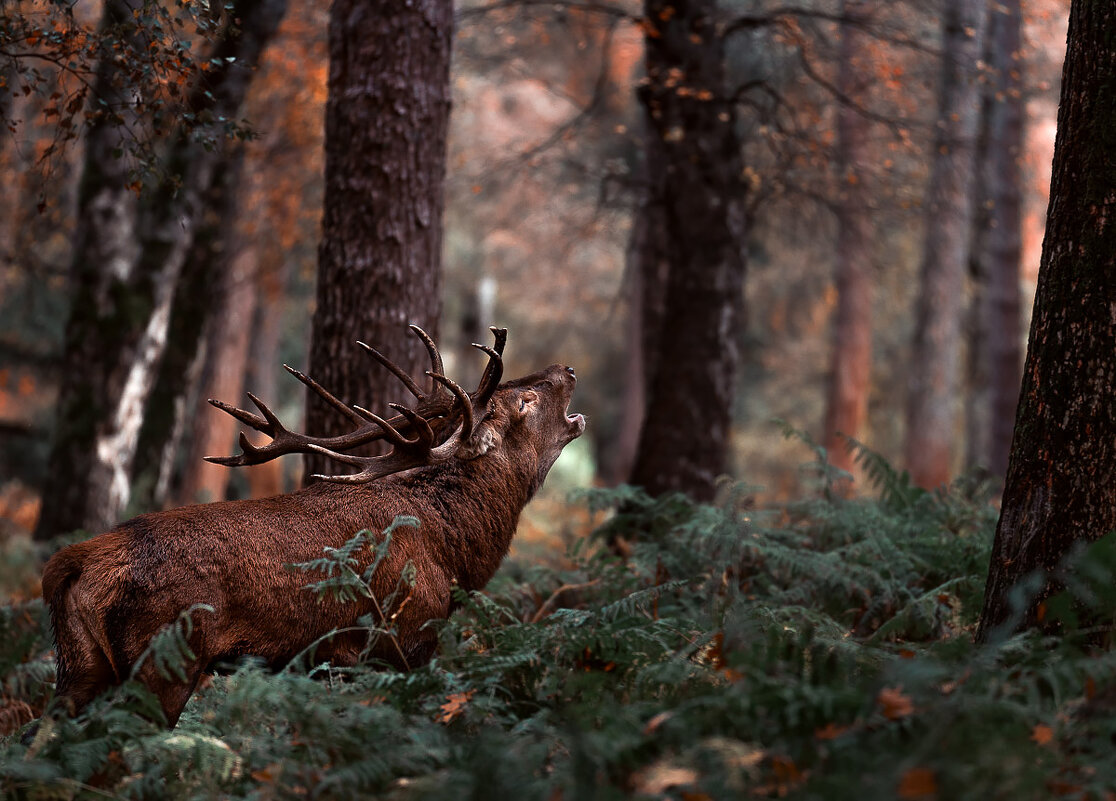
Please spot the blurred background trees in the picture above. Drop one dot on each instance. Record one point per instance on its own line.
(603, 234)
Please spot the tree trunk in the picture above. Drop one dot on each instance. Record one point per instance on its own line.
(379, 264)
(1061, 478)
(931, 416)
(170, 415)
(110, 306)
(228, 340)
(1002, 301)
(851, 358)
(273, 278)
(126, 264)
(694, 166)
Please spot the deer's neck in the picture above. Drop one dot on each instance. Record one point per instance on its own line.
(471, 511)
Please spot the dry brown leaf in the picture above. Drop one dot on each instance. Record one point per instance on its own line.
(830, 731)
(267, 775)
(918, 783)
(454, 705)
(1042, 734)
(894, 704)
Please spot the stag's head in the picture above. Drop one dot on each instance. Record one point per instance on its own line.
(530, 417)
(526, 421)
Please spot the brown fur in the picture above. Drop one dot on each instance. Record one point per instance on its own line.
(109, 595)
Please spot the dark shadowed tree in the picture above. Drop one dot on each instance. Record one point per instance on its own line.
(1061, 478)
(851, 358)
(1001, 298)
(129, 251)
(692, 267)
(379, 264)
(934, 376)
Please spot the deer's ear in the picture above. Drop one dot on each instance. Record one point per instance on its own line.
(526, 400)
(484, 439)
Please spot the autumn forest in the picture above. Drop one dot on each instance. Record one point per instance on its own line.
(834, 510)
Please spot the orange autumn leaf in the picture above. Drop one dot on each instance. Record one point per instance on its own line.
(918, 783)
(830, 731)
(894, 704)
(1042, 734)
(454, 705)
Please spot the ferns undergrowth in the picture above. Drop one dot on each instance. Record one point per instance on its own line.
(821, 650)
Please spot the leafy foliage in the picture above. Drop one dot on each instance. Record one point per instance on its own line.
(159, 51)
(819, 650)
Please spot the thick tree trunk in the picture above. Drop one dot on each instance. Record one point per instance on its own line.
(379, 264)
(1002, 299)
(851, 358)
(1061, 478)
(127, 261)
(694, 167)
(931, 413)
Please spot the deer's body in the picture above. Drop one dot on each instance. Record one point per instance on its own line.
(109, 595)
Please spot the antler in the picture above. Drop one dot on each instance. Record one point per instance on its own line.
(423, 448)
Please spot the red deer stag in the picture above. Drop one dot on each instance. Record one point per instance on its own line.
(464, 464)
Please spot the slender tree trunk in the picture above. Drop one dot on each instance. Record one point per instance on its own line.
(379, 264)
(694, 166)
(127, 262)
(643, 312)
(170, 413)
(1061, 478)
(851, 358)
(228, 341)
(1002, 300)
(931, 414)
(273, 277)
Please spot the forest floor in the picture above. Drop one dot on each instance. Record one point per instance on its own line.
(817, 649)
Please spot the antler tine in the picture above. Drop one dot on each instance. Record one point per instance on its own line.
(240, 459)
(363, 476)
(431, 349)
(463, 399)
(422, 427)
(324, 394)
(490, 379)
(246, 417)
(391, 433)
(396, 370)
(494, 371)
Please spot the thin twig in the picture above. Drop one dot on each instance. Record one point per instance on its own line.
(552, 601)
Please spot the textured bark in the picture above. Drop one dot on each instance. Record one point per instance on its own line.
(127, 260)
(694, 167)
(931, 416)
(379, 264)
(851, 358)
(1061, 478)
(1002, 299)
